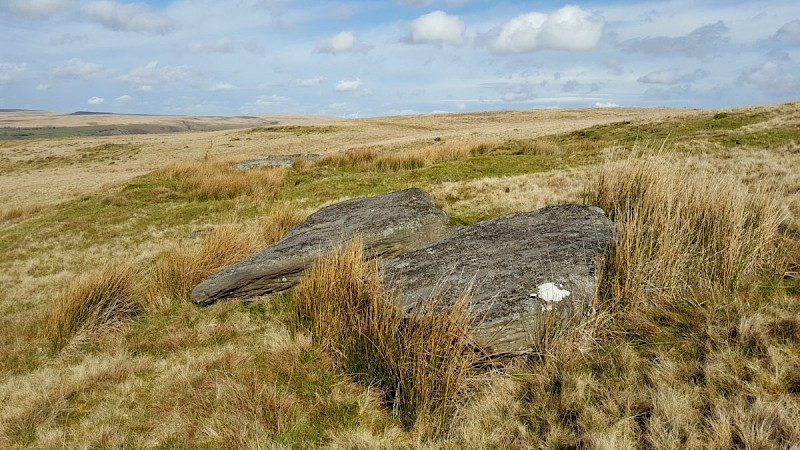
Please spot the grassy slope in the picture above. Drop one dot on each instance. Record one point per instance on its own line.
(235, 374)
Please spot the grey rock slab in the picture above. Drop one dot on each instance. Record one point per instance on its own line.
(389, 225)
(519, 269)
(275, 161)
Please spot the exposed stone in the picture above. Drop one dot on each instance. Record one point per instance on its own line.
(389, 225)
(520, 268)
(275, 161)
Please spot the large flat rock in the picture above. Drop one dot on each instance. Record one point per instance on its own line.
(389, 225)
(520, 268)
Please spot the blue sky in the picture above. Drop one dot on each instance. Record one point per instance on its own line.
(375, 58)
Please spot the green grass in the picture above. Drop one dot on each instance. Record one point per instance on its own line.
(7, 134)
(296, 130)
(323, 184)
(725, 129)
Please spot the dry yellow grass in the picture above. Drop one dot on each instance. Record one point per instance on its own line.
(491, 197)
(709, 364)
(47, 186)
(177, 270)
(94, 304)
(421, 362)
(679, 230)
(373, 159)
(206, 180)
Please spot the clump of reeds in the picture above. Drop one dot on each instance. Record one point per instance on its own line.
(215, 180)
(94, 303)
(420, 362)
(678, 230)
(371, 159)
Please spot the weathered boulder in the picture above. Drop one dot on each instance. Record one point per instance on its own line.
(520, 268)
(389, 225)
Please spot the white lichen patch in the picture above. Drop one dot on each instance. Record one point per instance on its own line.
(550, 292)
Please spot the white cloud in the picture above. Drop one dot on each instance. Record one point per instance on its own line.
(222, 87)
(151, 74)
(311, 82)
(77, 68)
(95, 100)
(128, 17)
(270, 100)
(123, 98)
(11, 71)
(790, 32)
(348, 85)
(341, 105)
(437, 28)
(605, 105)
(672, 76)
(772, 79)
(225, 46)
(699, 43)
(43, 87)
(220, 46)
(512, 97)
(38, 8)
(344, 42)
(571, 28)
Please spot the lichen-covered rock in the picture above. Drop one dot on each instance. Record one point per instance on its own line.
(389, 225)
(519, 268)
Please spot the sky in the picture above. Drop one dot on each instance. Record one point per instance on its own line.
(376, 58)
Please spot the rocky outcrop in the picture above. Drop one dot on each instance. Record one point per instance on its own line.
(520, 268)
(389, 225)
(276, 161)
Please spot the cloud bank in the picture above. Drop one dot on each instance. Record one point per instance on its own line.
(138, 17)
(571, 28)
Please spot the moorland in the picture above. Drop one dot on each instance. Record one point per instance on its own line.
(108, 221)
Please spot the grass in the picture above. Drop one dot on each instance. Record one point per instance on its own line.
(296, 130)
(679, 231)
(107, 154)
(762, 127)
(694, 344)
(175, 271)
(215, 180)
(421, 363)
(94, 304)
(372, 159)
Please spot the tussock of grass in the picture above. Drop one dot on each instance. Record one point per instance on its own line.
(281, 218)
(215, 180)
(94, 303)
(351, 158)
(19, 213)
(680, 231)
(551, 147)
(421, 362)
(371, 159)
(177, 270)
